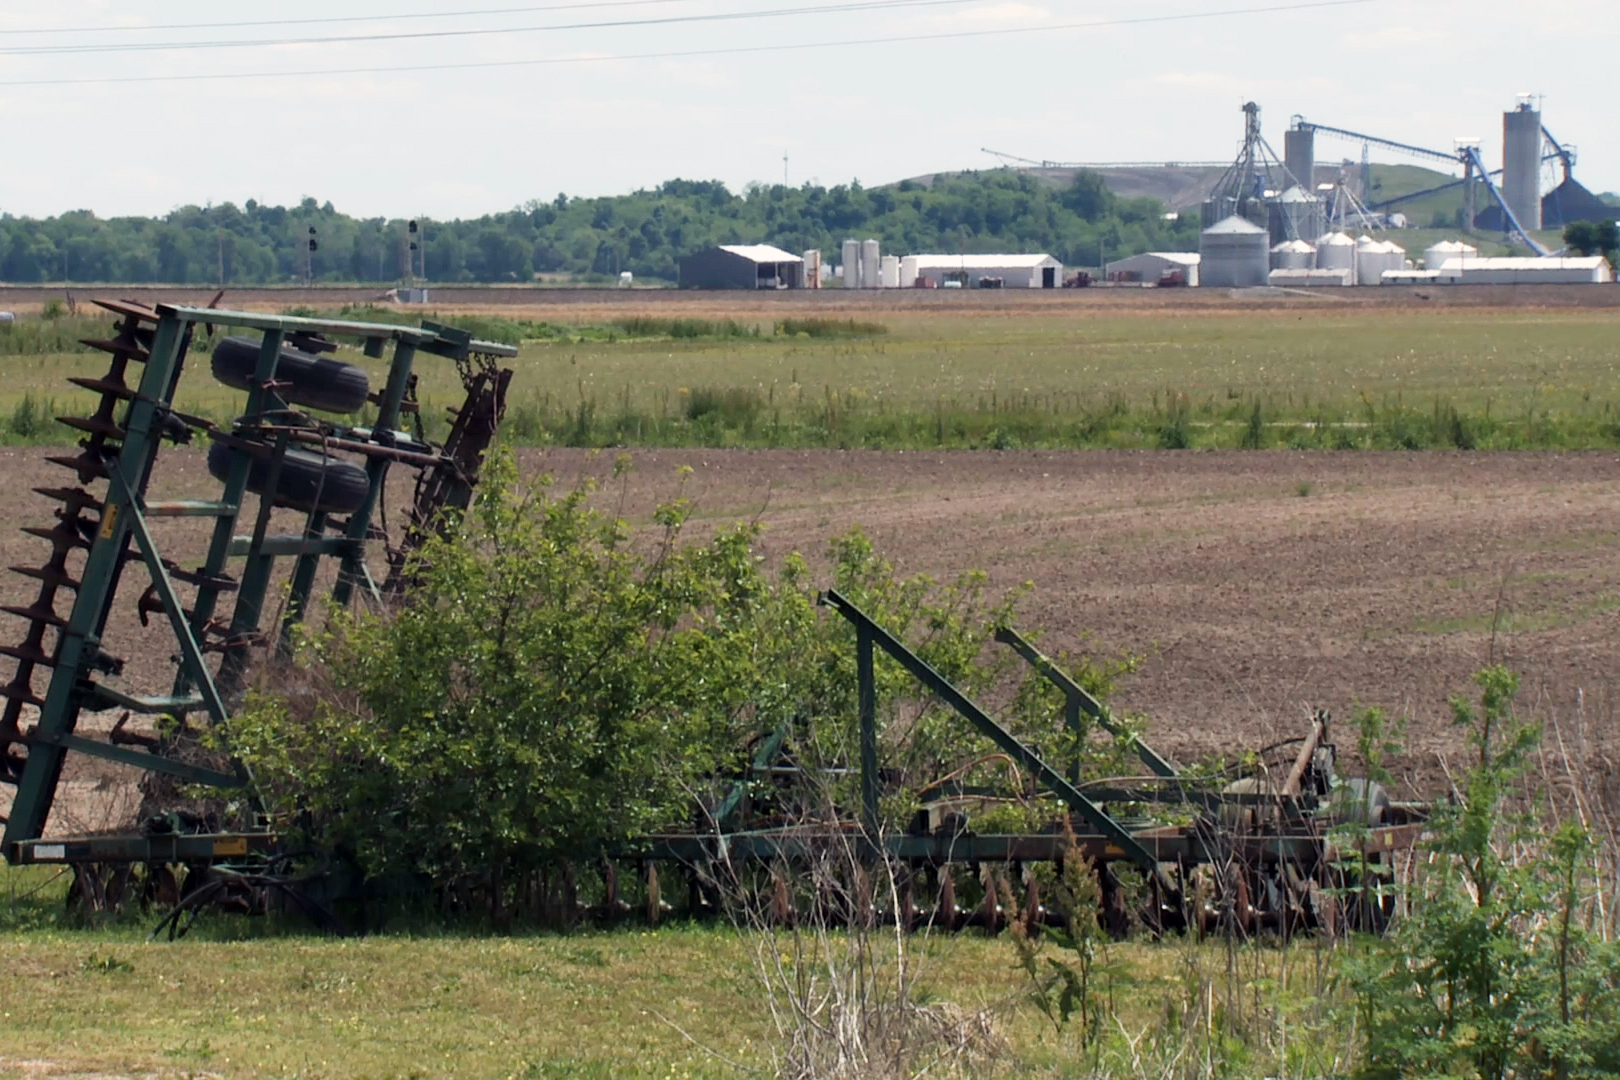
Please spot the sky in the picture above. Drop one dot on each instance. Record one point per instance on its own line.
(425, 107)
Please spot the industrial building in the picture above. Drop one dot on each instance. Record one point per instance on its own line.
(742, 266)
(1554, 270)
(1154, 266)
(983, 271)
(1304, 278)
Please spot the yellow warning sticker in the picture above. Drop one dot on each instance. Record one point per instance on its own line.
(109, 522)
(230, 845)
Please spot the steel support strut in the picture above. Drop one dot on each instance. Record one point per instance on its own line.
(1099, 819)
(1077, 700)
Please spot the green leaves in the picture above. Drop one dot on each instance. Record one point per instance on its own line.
(553, 686)
(1491, 973)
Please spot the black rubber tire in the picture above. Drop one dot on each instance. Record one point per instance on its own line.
(340, 485)
(315, 382)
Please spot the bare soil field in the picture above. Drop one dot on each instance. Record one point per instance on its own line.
(1256, 586)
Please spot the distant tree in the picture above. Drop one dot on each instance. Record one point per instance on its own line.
(1593, 238)
(1088, 195)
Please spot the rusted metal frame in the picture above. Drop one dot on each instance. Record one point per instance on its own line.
(1302, 761)
(1078, 700)
(1094, 814)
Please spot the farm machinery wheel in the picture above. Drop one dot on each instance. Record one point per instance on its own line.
(302, 378)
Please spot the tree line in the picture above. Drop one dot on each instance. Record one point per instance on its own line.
(645, 232)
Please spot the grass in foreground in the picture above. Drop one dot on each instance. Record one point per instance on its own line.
(1312, 379)
(241, 998)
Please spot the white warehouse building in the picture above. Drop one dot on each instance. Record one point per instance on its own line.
(1014, 271)
(1152, 266)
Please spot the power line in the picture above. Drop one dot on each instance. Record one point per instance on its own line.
(737, 51)
(728, 16)
(337, 18)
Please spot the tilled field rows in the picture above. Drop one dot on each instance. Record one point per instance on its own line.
(1256, 585)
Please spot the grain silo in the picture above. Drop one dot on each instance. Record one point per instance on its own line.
(812, 269)
(1369, 261)
(889, 272)
(1296, 214)
(1235, 253)
(1293, 255)
(1299, 155)
(1335, 251)
(1436, 254)
(852, 264)
(1521, 162)
(871, 265)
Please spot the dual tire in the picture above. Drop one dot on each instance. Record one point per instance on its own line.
(307, 379)
(311, 483)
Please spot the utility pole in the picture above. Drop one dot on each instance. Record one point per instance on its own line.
(219, 236)
(310, 247)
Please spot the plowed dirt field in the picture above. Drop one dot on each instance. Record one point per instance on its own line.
(1257, 586)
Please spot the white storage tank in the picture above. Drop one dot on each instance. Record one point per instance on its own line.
(1435, 255)
(889, 272)
(1296, 214)
(1335, 251)
(812, 269)
(1395, 257)
(1369, 261)
(871, 265)
(852, 264)
(908, 271)
(1235, 253)
(1293, 255)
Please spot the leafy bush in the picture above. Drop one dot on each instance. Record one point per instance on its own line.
(551, 689)
(1493, 973)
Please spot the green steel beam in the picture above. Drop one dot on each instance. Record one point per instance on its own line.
(292, 324)
(762, 760)
(1094, 814)
(303, 579)
(1078, 699)
(359, 527)
(80, 639)
(191, 656)
(141, 759)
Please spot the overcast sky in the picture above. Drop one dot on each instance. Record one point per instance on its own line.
(493, 128)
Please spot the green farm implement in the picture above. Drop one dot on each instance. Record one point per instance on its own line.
(327, 476)
(1283, 844)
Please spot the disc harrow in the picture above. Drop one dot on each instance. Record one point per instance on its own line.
(329, 471)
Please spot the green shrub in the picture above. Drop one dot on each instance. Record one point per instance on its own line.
(549, 689)
(830, 328)
(1493, 973)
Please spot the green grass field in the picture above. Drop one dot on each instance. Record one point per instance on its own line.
(1363, 376)
(239, 998)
